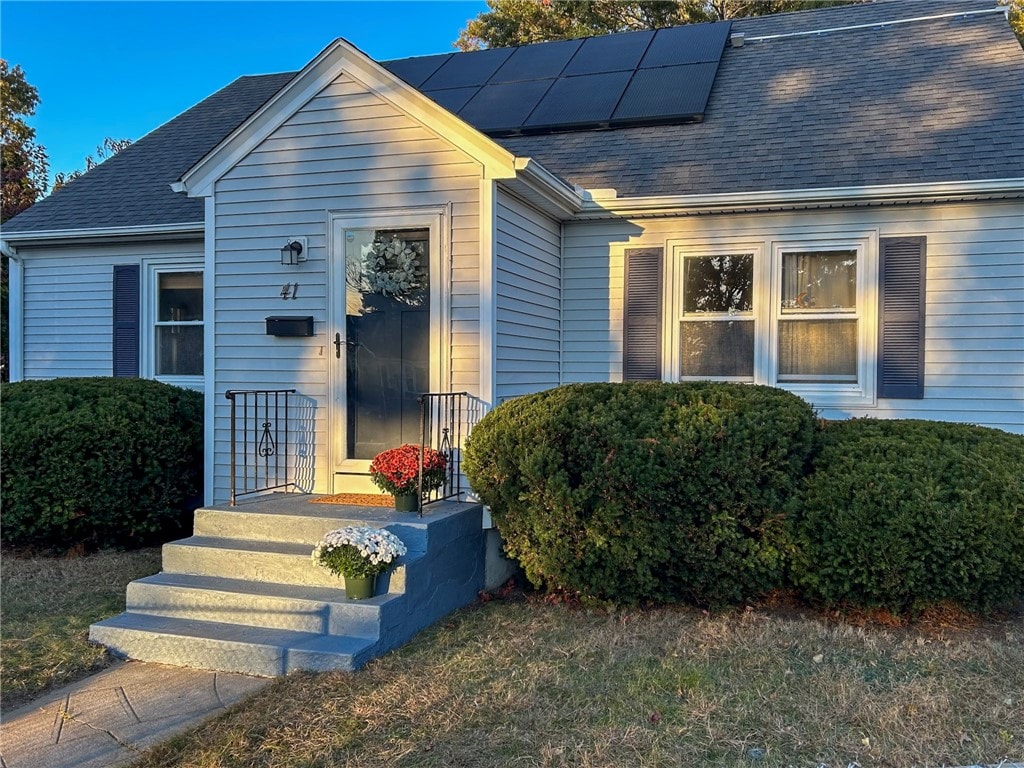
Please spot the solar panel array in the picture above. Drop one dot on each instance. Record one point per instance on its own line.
(628, 79)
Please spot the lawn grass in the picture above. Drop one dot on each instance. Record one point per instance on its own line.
(46, 607)
(531, 683)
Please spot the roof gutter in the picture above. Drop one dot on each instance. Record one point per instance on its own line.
(559, 197)
(605, 204)
(161, 231)
(8, 251)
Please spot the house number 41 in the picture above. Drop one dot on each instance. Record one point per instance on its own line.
(290, 291)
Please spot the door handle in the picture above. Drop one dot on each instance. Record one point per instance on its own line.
(337, 345)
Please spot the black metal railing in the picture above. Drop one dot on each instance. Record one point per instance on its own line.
(446, 419)
(260, 439)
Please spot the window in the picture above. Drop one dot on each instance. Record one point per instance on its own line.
(818, 317)
(716, 329)
(177, 323)
(789, 314)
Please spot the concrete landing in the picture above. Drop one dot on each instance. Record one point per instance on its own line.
(107, 719)
(242, 594)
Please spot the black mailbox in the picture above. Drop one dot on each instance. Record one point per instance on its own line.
(290, 326)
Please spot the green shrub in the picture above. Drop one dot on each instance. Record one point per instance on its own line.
(98, 462)
(645, 491)
(904, 514)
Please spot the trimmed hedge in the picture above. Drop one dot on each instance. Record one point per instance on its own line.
(98, 462)
(904, 514)
(645, 491)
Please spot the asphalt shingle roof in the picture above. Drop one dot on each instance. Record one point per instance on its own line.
(930, 101)
(132, 188)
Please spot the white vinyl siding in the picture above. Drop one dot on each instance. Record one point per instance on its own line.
(345, 150)
(68, 303)
(527, 247)
(974, 342)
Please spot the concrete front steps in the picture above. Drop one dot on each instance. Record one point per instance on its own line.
(242, 595)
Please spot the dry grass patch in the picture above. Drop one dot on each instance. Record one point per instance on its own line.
(535, 684)
(47, 606)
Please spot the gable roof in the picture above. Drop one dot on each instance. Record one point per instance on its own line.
(930, 101)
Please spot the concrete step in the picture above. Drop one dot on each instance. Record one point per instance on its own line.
(228, 647)
(305, 522)
(318, 610)
(274, 562)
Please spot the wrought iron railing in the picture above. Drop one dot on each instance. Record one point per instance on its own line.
(260, 439)
(446, 419)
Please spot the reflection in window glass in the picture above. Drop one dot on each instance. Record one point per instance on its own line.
(718, 349)
(180, 296)
(722, 283)
(717, 327)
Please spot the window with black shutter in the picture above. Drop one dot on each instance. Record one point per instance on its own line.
(641, 346)
(126, 320)
(901, 317)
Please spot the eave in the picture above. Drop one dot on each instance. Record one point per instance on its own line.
(605, 204)
(145, 232)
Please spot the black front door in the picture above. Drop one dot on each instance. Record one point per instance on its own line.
(387, 326)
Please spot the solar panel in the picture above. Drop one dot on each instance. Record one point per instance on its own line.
(415, 71)
(453, 99)
(632, 78)
(539, 61)
(689, 44)
(503, 107)
(466, 69)
(667, 94)
(609, 53)
(584, 100)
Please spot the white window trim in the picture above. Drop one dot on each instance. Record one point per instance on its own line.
(674, 306)
(861, 393)
(152, 269)
(767, 312)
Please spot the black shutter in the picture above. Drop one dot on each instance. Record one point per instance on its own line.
(901, 314)
(126, 320)
(641, 345)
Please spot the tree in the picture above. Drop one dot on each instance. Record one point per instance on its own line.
(107, 149)
(1016, 16)
(23, 170)
(23, 164)
(518, 22)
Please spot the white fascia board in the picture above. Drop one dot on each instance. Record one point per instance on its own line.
(606, 204)
(147, 230)
(337, 58)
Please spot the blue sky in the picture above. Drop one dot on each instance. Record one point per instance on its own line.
(121, 69)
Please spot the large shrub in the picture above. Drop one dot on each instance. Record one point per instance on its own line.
(903, 514)
(645, 491)
(98, 461)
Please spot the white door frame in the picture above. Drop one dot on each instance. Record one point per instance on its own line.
(432, 218)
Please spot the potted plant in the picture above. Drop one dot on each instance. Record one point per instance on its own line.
(359, 554)
(397, 471)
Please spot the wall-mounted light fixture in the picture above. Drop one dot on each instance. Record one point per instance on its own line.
(294, 251)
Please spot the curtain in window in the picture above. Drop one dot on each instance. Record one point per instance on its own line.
(819, 282)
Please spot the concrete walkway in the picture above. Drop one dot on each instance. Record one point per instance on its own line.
(107, 719)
